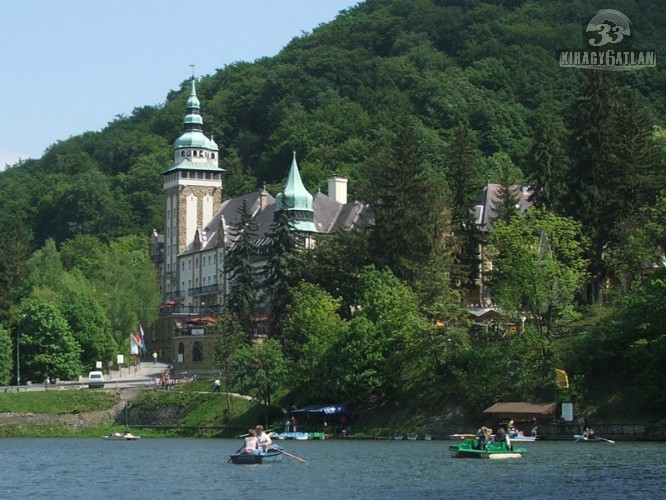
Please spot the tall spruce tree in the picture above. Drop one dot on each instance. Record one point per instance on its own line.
(464, 181)
(404, 235)
(612, 167)
(547, 162)
(506, 205)
(283, 268)
(243, 274)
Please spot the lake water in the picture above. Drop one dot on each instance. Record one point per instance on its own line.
(198, 469)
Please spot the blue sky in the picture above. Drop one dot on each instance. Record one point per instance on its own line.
(72, 66)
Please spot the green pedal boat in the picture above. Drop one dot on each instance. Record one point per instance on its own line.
(494, 451)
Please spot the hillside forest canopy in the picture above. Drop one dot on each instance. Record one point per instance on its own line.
(420, 104)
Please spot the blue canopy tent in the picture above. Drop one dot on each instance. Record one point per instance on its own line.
(320, 415)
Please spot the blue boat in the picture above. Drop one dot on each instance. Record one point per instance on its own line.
(272, 455)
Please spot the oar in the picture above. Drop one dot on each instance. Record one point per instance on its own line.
(607, 440)
(293, 456)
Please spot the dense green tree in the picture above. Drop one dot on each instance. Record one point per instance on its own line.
(393, 309)
(6, 359)
(47, 347)
(335, 265)
(15, 248)
(260, 370)
(311, 326)
(87, 320)
(229, 339)
(125, 285)
(44, 269)
(538, 266)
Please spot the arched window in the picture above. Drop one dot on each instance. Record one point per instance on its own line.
(197, 352)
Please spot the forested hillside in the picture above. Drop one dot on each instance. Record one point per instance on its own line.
(420, 103)
(328, 95)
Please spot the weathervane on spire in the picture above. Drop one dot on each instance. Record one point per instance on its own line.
(192, 66)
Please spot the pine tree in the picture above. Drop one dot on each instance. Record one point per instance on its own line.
(243, 274)
(283, 268)
(547, 162)
(464, 181)
(508, 196)
(612, 168)
(404, 236)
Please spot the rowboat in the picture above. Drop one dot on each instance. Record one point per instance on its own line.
(523, 439)
(493, 451)
(581, 438)
(125, 436)
(272, 455)
(457, 437)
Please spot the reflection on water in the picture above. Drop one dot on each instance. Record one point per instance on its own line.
(198, 469)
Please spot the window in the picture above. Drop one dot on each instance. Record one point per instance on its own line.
(197, 352)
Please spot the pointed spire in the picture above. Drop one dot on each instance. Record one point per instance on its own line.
(297, 199)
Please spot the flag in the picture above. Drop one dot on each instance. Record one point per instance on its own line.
(137, 344)
(142, 346)
(561, 379)
(134, 347)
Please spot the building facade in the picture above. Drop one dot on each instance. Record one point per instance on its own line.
(190, 254)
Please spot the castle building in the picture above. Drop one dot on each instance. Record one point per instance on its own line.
(190, 255)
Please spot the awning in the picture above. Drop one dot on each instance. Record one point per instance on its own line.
(482, 313)
(321, 410)
(521, 409)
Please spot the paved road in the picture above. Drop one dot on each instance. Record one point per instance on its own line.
(140, 376)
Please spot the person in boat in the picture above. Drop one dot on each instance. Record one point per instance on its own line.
(535, 428)
(512, 431)
(501, 436)
(263, 439)
(483, 435)
(251, 443)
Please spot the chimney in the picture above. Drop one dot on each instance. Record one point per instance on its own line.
(337, 189)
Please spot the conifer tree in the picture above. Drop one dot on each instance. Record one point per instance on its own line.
(547, 162)
(464, 182)
(243, 274)
(283, 267)
(407, 228)
(612, 171)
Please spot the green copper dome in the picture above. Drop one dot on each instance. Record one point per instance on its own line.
(297, 199)
(193, 136)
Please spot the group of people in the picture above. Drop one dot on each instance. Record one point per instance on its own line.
(504, 434)
(257, 441)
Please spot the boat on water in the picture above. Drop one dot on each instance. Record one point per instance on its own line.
(299, 436)
(523, 439)
(270, 456)
(460, 437)
(121, 436)
(581, 438)
(258, 458)
(493, 451)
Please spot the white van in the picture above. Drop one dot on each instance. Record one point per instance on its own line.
(95, 379)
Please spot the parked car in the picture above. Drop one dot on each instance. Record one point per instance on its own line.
(95, 380)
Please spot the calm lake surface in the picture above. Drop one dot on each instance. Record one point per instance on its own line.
(198, 469)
